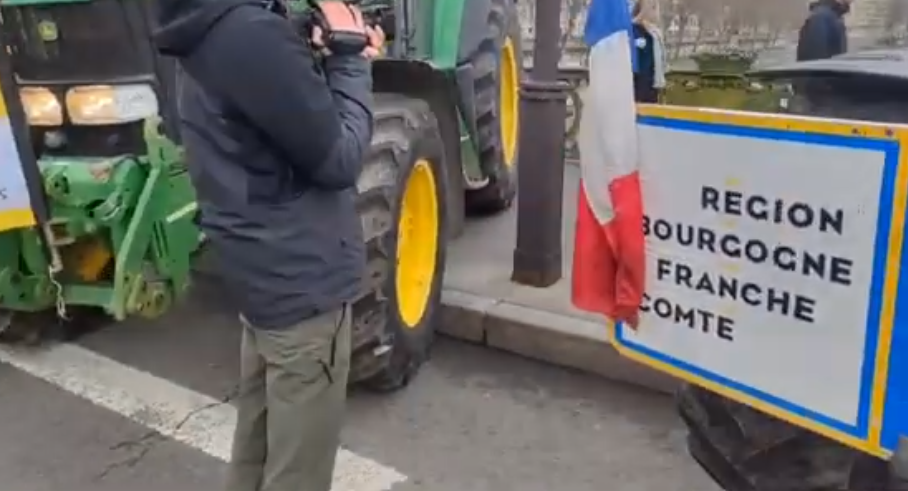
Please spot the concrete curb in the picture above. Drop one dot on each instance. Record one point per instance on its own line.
(553, 338)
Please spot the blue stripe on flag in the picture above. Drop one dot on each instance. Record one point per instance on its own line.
(606, 17)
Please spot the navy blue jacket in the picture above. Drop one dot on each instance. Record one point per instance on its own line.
(275, 141)
(645, 72)
(823, 34)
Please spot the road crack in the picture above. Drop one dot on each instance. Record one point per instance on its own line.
(139, 448)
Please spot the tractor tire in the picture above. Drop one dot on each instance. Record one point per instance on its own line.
(743, 449)
(402, 191)
(498, 66)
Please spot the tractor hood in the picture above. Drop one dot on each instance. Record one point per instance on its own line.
(869, 86)
(183, 24)
(889, 63)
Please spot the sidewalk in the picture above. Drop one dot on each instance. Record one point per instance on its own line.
(482, 305)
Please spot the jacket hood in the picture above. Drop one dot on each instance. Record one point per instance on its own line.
(183, 24)
(840, 8)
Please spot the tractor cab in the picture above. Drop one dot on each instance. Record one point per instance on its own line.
(868, 86)
(87, 74)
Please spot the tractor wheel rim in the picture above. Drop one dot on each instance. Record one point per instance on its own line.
(509, 96)
(417, 244)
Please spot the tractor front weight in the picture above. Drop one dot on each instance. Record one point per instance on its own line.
(119, 238)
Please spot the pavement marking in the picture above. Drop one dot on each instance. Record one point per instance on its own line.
(176, 412)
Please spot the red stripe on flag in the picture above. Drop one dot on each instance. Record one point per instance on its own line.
(610, 259)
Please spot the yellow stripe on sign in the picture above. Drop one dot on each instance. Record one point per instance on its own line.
(13, 219)
(3, 111)
(768, 121)
(890, 292)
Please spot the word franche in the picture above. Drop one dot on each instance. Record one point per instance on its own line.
(813, 264)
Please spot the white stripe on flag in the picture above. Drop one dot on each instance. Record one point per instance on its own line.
(608, 131)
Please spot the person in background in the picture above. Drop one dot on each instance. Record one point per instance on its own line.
(649, 77)
(824, 34)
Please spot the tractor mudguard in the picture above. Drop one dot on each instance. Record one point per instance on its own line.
(438, 88)
(494, 96)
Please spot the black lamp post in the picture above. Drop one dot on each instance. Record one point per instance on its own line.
(540, 183)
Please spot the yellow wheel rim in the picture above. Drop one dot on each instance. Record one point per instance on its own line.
(417, 244)
(509, 91)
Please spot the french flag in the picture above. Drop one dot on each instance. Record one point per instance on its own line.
(609, 251)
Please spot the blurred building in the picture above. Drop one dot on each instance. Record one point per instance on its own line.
(869, 13)
(867, 22)
(871, 23)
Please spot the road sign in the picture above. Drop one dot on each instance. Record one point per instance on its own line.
(774, 247)
(19, 179)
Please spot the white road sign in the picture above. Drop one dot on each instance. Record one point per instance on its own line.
(767, 253)
(15, 208)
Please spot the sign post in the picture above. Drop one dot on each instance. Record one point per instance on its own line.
(21, 195)
(774, 246)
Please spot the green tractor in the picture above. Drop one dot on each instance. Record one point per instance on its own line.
(119, 233)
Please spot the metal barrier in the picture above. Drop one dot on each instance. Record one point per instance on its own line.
(694, 88)
(577, 79)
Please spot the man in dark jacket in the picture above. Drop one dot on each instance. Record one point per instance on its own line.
(823, 34)
(274, 138)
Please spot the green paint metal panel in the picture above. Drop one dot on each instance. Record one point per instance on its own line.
(24, 284)
(469, 154)
(141, 208)
(446, 20)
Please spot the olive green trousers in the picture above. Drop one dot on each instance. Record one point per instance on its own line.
(290, 406)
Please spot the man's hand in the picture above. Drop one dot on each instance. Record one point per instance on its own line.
(376, 42)
(346, 30)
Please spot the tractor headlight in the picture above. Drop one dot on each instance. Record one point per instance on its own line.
(95, 105)
(42, 108)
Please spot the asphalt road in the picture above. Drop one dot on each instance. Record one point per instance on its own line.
(144, 406)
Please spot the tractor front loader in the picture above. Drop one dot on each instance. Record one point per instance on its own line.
(120, 231)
